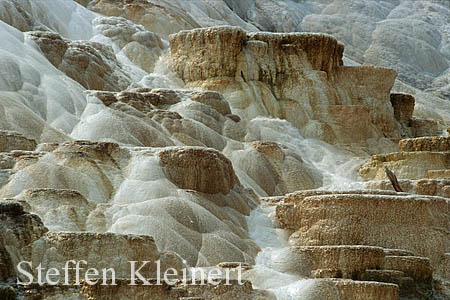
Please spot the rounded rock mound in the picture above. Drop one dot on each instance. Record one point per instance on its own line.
(201, 169)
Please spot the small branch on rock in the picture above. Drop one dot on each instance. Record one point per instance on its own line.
(393, 180)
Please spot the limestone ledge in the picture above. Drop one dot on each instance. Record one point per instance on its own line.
(147, 100)
(100, 250)
(201, 54)
(122, 290)
(432, 144)
(388, 221)
(427, 186)
(405, 165)
(349, 262)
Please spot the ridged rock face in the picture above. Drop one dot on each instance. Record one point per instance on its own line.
(426, 157)
(10, 141)
(385, 221)
(348, 262)
(299, 77)
(278, 45)
(439, 186)
(141, 47)
(403, 106)
(434, 144)
(54, 249)
(221, 49)
(122, 290)
(93, 65)
(159, 118)
(202, 170)
(164, 19)
(405, 165)
(275, 168)
(217, 55)
(56, 208)
(19, 231)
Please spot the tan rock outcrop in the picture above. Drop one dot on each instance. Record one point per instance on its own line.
(389, 221)
(217, 47)
(432, 144)
(122, 290)
(349, 262)
(425, 127)
(405, 165)
(10, 141)
(418, 268)
(204, 170)
(432, 187)
(259, 75)
(93, 65)
(99, 250)
(403, 106)
(225, 291)
(417, 157)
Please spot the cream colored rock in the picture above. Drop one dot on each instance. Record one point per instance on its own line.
(386, 221)
(405, 165)
(203, 170)
(60, 210)
(91, 64)
(141, 47)
(122, 120)
(160, 17)
(157, 118)
(362, 290)
(276, 169)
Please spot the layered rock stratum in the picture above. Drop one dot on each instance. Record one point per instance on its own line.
(226, 135)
